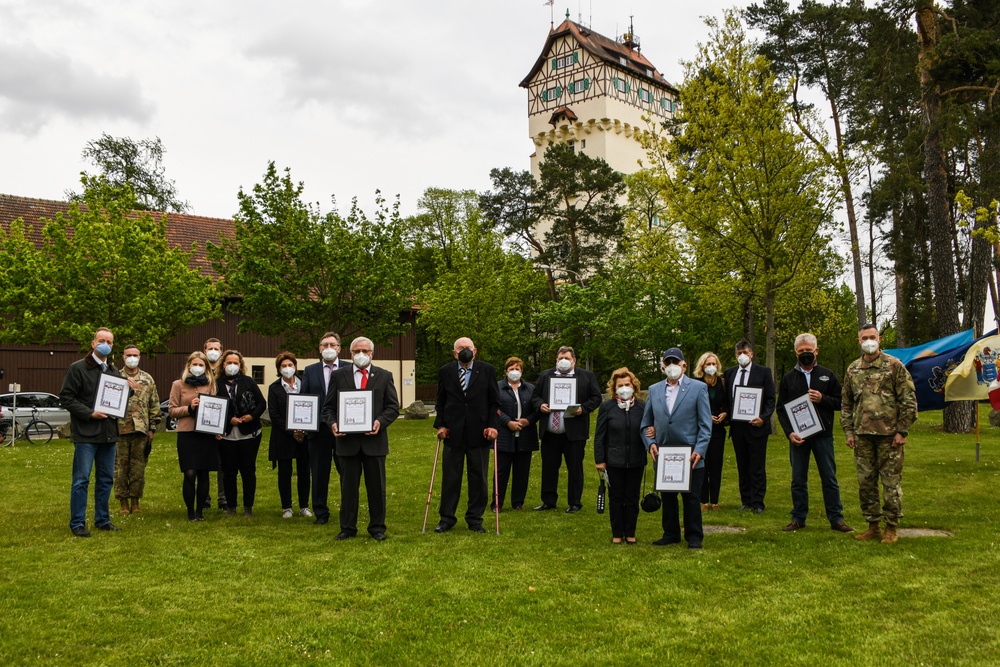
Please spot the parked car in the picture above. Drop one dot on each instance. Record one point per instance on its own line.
(49, 407)
(169, 422)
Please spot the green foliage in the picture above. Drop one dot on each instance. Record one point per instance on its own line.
(296, 273)
(102, 264)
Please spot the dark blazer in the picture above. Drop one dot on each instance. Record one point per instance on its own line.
(528, 440)
(588, 396)
(822, 380)
(281, 445)
(618, 439)
(312, 380)
(466, 414)
(78, 395)
(246, 399)
(386, 409)
(760, 376)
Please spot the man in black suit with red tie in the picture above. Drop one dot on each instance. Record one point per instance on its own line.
(316, 381)
(750, 437)
(362, 453)
(468, 416)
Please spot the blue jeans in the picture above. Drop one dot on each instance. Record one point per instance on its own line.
(821, 446)
(85, 455)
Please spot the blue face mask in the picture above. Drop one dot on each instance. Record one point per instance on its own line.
(103, 349)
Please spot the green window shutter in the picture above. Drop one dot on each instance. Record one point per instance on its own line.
(576, 56)
(558, 92)
(586, 84)
(627, 87)
(572, 88)
(663, 102)
(554, 64)
(614, 82)
(544, 96)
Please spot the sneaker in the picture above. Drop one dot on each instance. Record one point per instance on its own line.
(305, 511)
(287, 513)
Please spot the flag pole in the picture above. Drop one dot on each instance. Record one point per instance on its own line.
(977, 431)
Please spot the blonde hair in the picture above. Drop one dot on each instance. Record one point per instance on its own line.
(198, 354)
(699, 368)
(623, 373)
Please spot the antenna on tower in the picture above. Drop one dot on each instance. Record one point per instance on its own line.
(630, 39)
(552, 15)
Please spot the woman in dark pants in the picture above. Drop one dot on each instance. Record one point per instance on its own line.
(517, 436)
(619, 450)
(239, 445)
(286, 446)
(708, 371)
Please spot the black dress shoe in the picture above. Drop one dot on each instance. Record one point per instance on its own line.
(758, 510)
(442, 528)
(518, 507)
(80, 531)
(108, 526)
(573, 509)
(744, 507)
(378, 537)
(664, 541)
(343, 535)
(321, 520)
(477, 529)
(694, 545)
(544, 506)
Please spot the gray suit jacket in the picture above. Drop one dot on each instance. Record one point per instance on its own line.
(689, 424)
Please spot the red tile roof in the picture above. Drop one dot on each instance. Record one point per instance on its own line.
(182, 229)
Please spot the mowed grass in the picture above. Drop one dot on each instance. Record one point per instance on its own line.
(550, 590)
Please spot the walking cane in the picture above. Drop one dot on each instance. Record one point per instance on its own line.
(496, 487)
(430, 490)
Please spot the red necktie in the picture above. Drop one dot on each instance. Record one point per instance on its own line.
(364, 378)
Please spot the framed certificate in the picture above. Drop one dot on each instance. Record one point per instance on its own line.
(562, 393)
(673, 469)
(355, 411)
(746, 403)
(803, 416)
(211, 415)
(112, 396)
(303, 413)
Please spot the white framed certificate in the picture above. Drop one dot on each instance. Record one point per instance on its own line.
(746, 403)
(673, 469)
(112, 396)
(803, 417)
(211, 415)
(303, 413)
(562, 393)
(355, 411)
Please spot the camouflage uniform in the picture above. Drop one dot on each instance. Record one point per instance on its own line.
(879, 401)
(141, 416)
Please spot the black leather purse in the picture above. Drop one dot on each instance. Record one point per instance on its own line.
(650, 501)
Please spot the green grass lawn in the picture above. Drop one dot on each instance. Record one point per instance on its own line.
(550, 590)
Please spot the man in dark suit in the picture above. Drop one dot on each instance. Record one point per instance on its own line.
(564, 435)
(468, 416)
(316, 381)
(750, 438)
(362, 452)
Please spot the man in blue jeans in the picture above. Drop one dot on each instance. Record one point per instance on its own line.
(93, 433)
(820, 386)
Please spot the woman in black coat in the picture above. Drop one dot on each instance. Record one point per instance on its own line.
(517, 436)
(619, 451)
(708, 371)
(241, 441)
(286, 446)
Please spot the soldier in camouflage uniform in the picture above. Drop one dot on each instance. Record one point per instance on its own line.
(134, 432)
(879, 405)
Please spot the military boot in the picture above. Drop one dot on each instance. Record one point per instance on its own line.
(124, 509)
(135, 506)
(890, 535)
(873, 533)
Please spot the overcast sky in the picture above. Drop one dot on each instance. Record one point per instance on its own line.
(353, 96)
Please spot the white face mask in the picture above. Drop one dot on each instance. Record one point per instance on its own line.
(514, 376)
(196, 371)
(743, 360)
(711, 370)
(673, 371)
(288, 372)
(232, 369)
(361, 360)
(869, 346)
(213, 355)
(624, 392)
(329, 354)
(131, 362)
(564, 365)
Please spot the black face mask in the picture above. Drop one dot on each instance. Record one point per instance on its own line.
(807, 358)
(465, 355)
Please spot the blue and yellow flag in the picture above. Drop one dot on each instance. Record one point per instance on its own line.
(970, 380)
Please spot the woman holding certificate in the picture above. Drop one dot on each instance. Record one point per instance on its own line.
(620, 452)
(707, 370)
(241, 441)
(286, 446)
(197, 451)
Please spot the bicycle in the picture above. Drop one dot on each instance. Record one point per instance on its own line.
(37, 431)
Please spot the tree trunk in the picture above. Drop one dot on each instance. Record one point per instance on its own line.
(748, 319)
(852, 219)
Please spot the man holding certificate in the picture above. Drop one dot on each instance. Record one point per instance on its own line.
(807, 399)
(360, 406)
(680, 415)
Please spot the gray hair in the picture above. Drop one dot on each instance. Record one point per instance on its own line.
(805, 338)
(362, 339)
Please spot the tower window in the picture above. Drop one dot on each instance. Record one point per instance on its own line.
(621, 85)
(566, 60)
(579, 85)
(552, 94)
(645, 95)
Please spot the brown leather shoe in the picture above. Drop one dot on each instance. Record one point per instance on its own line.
(873, 533)
(793, 526)
(841, 527)
(890, 536)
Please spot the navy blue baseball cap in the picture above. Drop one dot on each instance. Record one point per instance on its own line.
(673, 353)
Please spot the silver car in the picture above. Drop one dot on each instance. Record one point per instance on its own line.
(49, 407)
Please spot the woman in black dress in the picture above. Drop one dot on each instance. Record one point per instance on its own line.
(239, 445)
(286, 446)
(708, 371)
(197, 453)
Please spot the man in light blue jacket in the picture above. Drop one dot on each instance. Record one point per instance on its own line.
(678, 414)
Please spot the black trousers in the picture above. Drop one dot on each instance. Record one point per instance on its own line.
(321, 460)
(351, 470)
(239, 457)
(301, 473)
(623, 500)
(751, 461)
(713, 466)
(555, 447)
(520, 464)
(476, 461)
(670, 519)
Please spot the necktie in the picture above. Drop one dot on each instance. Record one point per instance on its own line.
(327, 369)
(463, 378)
(556, 420)
(104, 366)
(364, 378)
(743, 377)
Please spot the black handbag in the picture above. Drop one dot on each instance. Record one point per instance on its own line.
(650, 501)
